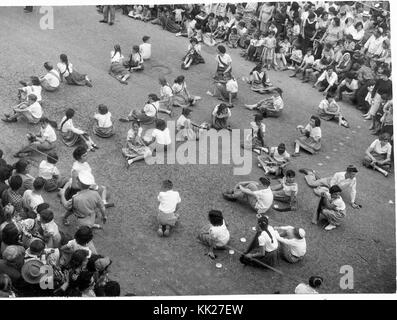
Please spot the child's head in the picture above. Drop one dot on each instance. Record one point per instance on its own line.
(161, 124)
(315, 121)
(22, 166)
(135, 49)
(221, 49)
(41, 207)
(271, 34)
(290, 176)
(153, 97)
(186, 112)
(145, 38)
(234, 31)
(277, 92)
(335, 191)
(258, 118)
(80, 153)
(215, 217)
(35, 81)
(179, 79)
(5, 173)
(69, 113)
(167, 185)
(32, 98)
(265, 181)
(102, 109)
(281, 148)
(79, 258)
(5, 282)
(46, 216)
(135, 125)
(48, 66)
(309, 51)
(36, 247)
(52, 157)
(38, 184)
(329, 96)
(83, 235)
(15, 182)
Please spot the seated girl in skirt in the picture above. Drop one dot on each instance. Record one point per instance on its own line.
(169, 205)
(255, 140)
(50, 173)
(270, 107)
(286, 192)
(103, 126)
(193, 55)
(71, 76)
(71, 135)
(220, 117)
(44, 141)
(378, 155)
(311, 137)
(258, 78)
(331, 207)
(135, 63)
(182, 98)
(160, 137)
(275, 161)
(135, 148)
(185, 129)
(215, 235)
(149, 112)
(117, 69)
(166, 95)
(328, 110)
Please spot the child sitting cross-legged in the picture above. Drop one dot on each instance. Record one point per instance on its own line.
(286, 192)
(275, 161)
(50, 173)
(169, 205)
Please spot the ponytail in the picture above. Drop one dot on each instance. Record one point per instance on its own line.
(69, 115)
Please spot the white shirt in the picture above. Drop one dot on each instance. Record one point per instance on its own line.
(53, 78)
(36, 90)
(331, 79)
(265, 241)
(296, 246)
(151, 109)
(353, 85)
(340, 180)
(166, 91)
(178, 87)
(74, 246)
(62, 68)
(118, 57)
(68, 126)
(181, 122)
(279, 157)
(104, 120)
(315, 132)
(373, 44)
(36, 110)
(214, 112)
(226, 59)
(32, 200)
(146, 50)
(232, 86)
(339, 203)
(51, 228)
(289, 188)
(220, 234)
(264, 199)
(377, 147)
(168, 201)
(47, 170)
(162, 137)
(48, 133)
(80, 167)
(308, 59)
(304, 289)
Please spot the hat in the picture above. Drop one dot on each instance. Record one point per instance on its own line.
(351, 168)
(145, 38)
(86, 178)
(11, 253)
(366, 14)
(102, 263)
(302, 233)
(31, 271)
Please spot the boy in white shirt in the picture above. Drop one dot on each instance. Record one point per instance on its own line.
(145, 48)
(307, 62)
(33, 88)
(169, 205)
(32, 198)
(30, 110)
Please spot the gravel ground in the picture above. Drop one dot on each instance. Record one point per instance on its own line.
(146, 264)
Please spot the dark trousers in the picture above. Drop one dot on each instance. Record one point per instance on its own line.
(28, 8)
(109, 13)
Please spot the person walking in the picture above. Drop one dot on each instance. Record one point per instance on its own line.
(109, 13)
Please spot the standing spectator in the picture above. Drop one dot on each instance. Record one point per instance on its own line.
(109, 13)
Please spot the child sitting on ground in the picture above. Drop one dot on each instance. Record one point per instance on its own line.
(51, 234)
(276, 161)
(307, 62)
(145, 48)
(169, 205)
(286, 192)
(32, 198)
(103, 126)
(270, 107)
(233, 38)
(50, 173)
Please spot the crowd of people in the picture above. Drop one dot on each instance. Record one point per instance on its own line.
(342, 47)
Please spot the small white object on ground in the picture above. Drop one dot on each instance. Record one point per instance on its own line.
(219, 265)
(358, 127)
(335, 150)
(327, 157)
(276, 206)
(253, 228)
(231, 251)
(243, 240)
(341, 143)
(391, 202)
(320, 164)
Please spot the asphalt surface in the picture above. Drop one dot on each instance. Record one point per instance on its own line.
(146, 264)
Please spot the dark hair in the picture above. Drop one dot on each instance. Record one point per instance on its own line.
(37, 246)
(84, 280)
(41, 207)
(329, 95)
(10, 235)
(279, 91)
(48, 66)
(153, 96)
(135, 48)
(265, 181)
(83, 235)
(103, 109)
(78, 258)
(46, 216)
(52, 157)
(38, 183)
(15, 182)
(263, 223)
(5, 173)
(167, 184)
(334, 189)
(337, 21)
(179, 79)
(161, 124)
(281, 145)
(315, 281)
(311, 15)
(186, 111)
(215, 217)
(78, 152)
(193, 39)
(221, 49)
(21, 166)
(112, 289)
(358, 24)
(221, 107)
(386, 73)
(91, 262)
(32, 96)
(317, 121)
(64, 59)
(35, 81)
(258, 117)
(117, 48)
(290, 173)
(69, 115)
(385, 136)
(296, 233)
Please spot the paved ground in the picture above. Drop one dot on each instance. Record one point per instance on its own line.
(146, 264)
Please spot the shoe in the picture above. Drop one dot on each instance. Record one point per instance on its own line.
(292, 76)
(111, 23)
(9, 120)
(368, 118)
(166, 232)
(95, 146)
(160, 232)
(305, 80)
(330, 227)
(92, 150)
(109, 205)
(228, 197)
(305, 171)
(65, 222)
(103, 21)
(124, 120)
(96, 226)
(296, 154)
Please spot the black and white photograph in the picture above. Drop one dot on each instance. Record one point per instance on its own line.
(223, 149)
